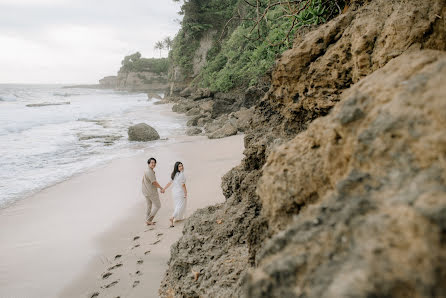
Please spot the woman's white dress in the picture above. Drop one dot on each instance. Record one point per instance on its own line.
(178, 196)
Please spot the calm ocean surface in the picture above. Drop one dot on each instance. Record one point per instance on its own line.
(41, 145)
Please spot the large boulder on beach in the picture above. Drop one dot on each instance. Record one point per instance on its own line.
(142, 132)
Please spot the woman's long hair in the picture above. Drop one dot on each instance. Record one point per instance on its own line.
(175, 169)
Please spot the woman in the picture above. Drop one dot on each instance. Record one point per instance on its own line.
(179, 192)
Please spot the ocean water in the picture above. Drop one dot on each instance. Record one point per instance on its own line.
(48, 133)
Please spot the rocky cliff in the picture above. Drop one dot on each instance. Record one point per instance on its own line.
(139, 74)
(179, 79)
(342, 191)
(368, 185)
(109, 82)
(144, 81)
(141, 81)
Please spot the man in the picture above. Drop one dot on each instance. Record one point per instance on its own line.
(150, 190)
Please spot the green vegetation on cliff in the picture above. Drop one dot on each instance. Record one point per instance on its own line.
(199, 16)
(134, 63)
(247, 37)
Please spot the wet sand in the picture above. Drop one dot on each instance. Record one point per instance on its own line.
(64, 241)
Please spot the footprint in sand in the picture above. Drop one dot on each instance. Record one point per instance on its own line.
(106, 275)
(149, 229)
(159, 234)
(138, 272)
(135, 283)
(114, 267)
(117, 257)
(96, 294)
(136, 246)
(140, 262)
(136, 238)
(147, 252)
(156, 242)
(111, 284)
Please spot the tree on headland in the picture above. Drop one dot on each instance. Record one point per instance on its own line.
(135, 63)
(131, 59)
(168, 42)
(159, 45)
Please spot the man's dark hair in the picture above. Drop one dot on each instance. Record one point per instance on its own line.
(150, 159)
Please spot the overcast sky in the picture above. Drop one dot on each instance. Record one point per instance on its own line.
(78, 41)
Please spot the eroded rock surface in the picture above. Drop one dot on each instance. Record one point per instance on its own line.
(326, 220)
(370, 183)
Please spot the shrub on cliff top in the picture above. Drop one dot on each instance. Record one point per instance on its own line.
(256, 33)
(252, 48)
(134, 63)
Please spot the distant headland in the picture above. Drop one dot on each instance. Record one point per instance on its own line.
(135, 74)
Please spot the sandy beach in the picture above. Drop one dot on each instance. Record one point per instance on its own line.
(86, 236)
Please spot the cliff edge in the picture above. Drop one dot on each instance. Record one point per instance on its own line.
(138, 74)
(342, 191)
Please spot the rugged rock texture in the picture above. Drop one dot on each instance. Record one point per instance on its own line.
(141, 81)
(193, 131)
(142, 132)
(355, 205)
(370, 183)
(227, 113)
(309, 78)
(242, 118)
(225, 131)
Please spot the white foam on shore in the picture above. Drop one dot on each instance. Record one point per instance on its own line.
(41, 146)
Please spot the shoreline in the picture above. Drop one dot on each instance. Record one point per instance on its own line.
(80, 222)
(104, 157)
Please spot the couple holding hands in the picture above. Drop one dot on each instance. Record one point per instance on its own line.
(150, 190)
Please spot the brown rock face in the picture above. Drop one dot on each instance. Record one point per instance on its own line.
(374, 173)
(141, 81)
(225, 131)
(353, 206)
(109, 82)
(309, 78)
